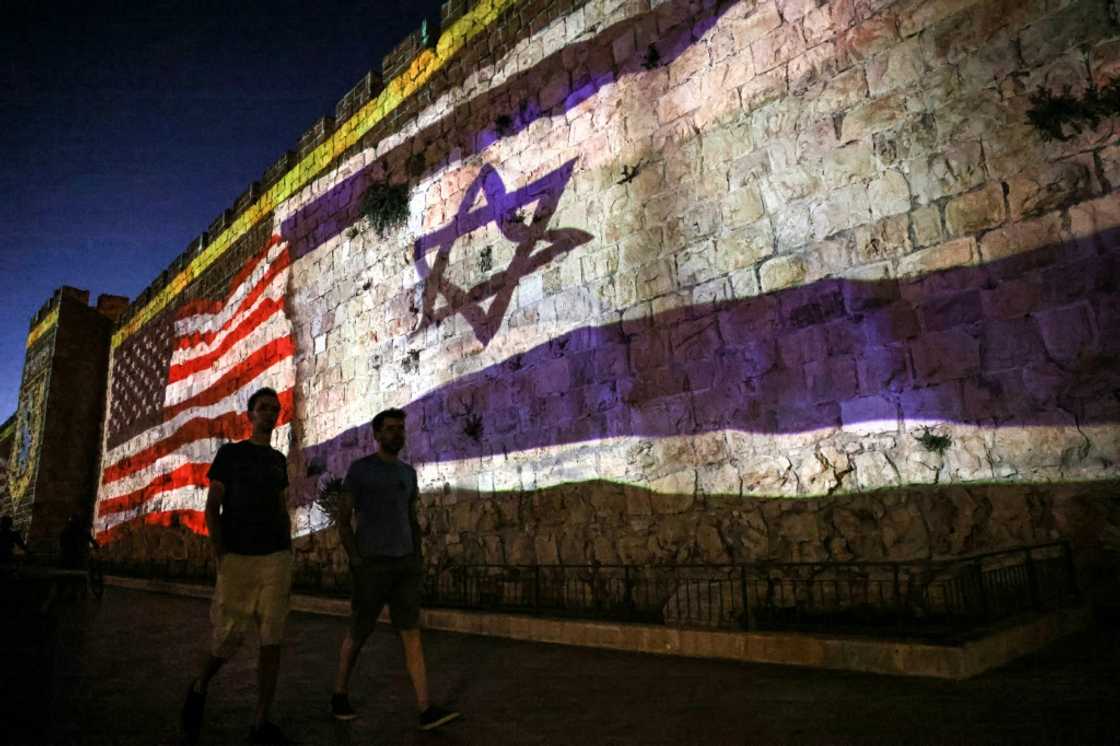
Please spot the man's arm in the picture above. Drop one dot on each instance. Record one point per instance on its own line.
(414, 522)
(287, 515)
(344, 520)
(213, 516)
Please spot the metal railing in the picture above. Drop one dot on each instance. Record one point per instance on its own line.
(932, 599)
(935, 598)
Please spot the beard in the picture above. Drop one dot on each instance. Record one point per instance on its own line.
(392, 446)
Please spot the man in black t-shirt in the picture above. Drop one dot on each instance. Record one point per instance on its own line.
(385, 563)
(250, 531)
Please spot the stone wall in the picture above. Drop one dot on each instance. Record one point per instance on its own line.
(711, 281)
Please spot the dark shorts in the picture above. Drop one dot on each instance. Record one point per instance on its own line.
(394, 581)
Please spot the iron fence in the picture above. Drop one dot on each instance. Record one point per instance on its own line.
(934, 598)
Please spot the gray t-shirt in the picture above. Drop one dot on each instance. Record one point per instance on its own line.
(383, 500)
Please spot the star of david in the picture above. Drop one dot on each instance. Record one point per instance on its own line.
(537, 244)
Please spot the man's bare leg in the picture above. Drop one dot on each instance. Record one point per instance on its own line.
(347, 660)
(414, 660)
(268, 671)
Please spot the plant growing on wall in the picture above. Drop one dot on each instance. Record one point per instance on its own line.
(329, 499)
(933, 442)
(385, 206)
(1054, 116)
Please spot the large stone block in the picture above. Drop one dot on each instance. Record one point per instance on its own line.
(1048, 187)
(944, 356)
(782, 272)
(901, 66)
(959, 168)
(777, 47)
(889, 195)
(1068, 332)
(873, 116)
(1019, 238)
(958, 253)
(882, 369)
(1011, 343)
(975, 211)
(841, 209)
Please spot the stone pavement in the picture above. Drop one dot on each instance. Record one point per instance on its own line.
(122, 667)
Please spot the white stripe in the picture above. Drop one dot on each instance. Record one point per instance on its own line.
(199, 451)
(184, 498)
(274, 291)
(783, 465)
(279, 377)
(206, 450)
(275, 327)
(202, 321)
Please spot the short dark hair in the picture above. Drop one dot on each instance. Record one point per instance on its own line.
(266, 391)
(380, 417)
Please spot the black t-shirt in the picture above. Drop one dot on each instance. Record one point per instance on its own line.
(253, 521)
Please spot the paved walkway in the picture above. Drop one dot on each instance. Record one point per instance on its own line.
(123, 665)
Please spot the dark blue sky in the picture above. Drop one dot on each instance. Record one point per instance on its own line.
(127, 127)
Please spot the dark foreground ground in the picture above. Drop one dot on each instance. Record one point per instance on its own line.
(121, 667)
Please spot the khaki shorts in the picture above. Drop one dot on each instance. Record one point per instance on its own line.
(252, 590)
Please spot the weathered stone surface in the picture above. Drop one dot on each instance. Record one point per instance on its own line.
(960, 252)
(873, 116)
(975, 211)
(1077, 23)
(888, 195)
(1021, 237)
(782, 272)
(1048, 187)
(925, 224)
(885, 239)
(899, 67)
(959, 168)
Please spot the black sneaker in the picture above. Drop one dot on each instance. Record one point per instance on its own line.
(434, 717)
(340, 707)
(192, 714)
(268, 733)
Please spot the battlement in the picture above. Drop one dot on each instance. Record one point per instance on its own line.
(393, 65)
(110, 306)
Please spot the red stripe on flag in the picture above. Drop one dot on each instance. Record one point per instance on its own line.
(228, 425)
(237, 376)
(210, 306)
(185, 476)
(195, 520)
(263, 312)
(195, 338)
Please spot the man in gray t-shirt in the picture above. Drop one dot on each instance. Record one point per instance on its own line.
(381, 497)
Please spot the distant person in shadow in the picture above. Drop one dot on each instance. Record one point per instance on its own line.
(9, 540)
(381, 493)
(74, 542)
(251, 534)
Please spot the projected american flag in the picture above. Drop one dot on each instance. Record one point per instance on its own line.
(220, 352)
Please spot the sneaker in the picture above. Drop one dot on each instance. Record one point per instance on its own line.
(268, 733)
(192, 713)
(340, 707)
(434, 717)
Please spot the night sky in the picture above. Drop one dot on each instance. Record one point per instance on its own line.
(128, 127)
